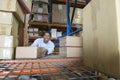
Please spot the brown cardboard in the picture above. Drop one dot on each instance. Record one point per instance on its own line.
(71, 41)
(8, 24)
(40, 18)
(6, 53)
(71, 51)
(6, 17)
(5, 29)
(29, 52)
(8, 41)
(40, 8)
(101, 36)
(12, 6)
(59, 14)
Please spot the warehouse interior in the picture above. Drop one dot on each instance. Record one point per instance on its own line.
(59, 40)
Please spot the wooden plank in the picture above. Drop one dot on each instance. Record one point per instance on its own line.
(101, 36)
(79, 4)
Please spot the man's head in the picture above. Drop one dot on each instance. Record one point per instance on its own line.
(46, 36)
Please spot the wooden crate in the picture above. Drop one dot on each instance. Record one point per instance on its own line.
(101, 36)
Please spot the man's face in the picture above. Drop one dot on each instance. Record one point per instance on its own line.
(46, 37)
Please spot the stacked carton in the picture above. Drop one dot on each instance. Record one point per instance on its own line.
(29, 52)
(11, 15)
(70, 46)
(59, 14)
(40, 11)
(8, 34)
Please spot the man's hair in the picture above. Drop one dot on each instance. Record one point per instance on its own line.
(45, 33)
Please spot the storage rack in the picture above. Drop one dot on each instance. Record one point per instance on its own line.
(68, 27)
(46, 69)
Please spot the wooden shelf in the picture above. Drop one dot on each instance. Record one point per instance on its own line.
(39, 13)
(40, 24)
(79, 4)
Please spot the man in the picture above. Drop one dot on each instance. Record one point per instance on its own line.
(45, 43)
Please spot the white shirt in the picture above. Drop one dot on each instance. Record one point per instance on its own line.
(40, 43)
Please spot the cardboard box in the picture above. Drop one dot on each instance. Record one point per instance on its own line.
(5, 29)
(29, 52)
(6, 17)
(8, 24)
(6, 53)
(57, 11)
(71, 51)
(8, 41)
(71, 41)
(36, 29)
(40, 18)
(40, 8)
(59, 34)
(77, 15)
(60, 9)
(101, 36)
(36, 35)
(31, 34)
(30, 29)
(26, 37)
(12, 6)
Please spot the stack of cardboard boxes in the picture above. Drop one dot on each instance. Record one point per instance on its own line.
(40, 11)
(71, 46)
(11, 16)
(59, 14)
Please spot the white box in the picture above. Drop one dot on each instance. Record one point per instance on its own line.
(6, 17)
(5, 29)
(8, 24)
(6, 53)
(54, 33)
(36, 29)
(31, 34)
(59, 34)
(30, 29)
(36, 34)
(6, 41)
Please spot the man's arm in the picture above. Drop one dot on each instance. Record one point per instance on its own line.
(51, 48)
